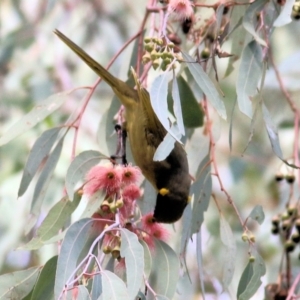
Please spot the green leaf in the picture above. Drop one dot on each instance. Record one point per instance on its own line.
(54, 221)
(44, 288)
(206, 85)
(201, 189)
(81, 164)
(133, 252)
(82, 293)
(167, 145)
(43, 182)
(16, 285)
(165, 273)
(79, 236)
(186, 226)
(177, 106)
(272, 132)
(191, 110)
(250, 280)
(113, 287)
(158, 96)
(96, 287)
(93, 204)
(38, 153)
(238, 36)
(250, 19)
(200, 260)
(285, 14)
(35, 116)
(228, 241)
(250, 72)
(257, 214)
(147, 259)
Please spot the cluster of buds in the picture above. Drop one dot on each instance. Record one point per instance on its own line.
(289, 177)
(296, 10)
(120, 184)
(287, 225)
(160, 54)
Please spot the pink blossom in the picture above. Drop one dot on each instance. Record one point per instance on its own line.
(183, 9)
(106, 178)
(130, 174)
(153, 230)
(131, 192)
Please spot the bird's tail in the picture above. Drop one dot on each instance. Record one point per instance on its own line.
(120, 87)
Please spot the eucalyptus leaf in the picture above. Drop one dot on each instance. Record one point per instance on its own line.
(200, 261)
(177, 106)
(228, 241)
(44, 287)
(251, 277)
(257, 214)
(133, 252)
(36, 115)
(206, 85)
(54, 221)
(79, 236)
(147, 259)
(16, 285)
(201, 189)
(250, 17)
(96, 287)
(272, 132)
(158, 96)
(38, 153)
(250, 72)
(43, 182)
(165, 273)
(113, 287)
(81, 164)
(285, 15)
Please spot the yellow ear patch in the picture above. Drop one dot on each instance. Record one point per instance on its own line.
(189, 199)
(164, 191)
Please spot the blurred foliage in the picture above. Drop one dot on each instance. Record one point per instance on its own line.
(34, 65)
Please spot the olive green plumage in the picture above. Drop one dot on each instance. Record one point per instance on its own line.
(169, 177)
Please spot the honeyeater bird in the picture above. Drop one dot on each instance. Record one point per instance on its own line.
(169, 177)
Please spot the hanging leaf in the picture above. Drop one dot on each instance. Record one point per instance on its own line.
(133, 252)
(147, 259)
(82, 293)
(42, 184)
(251, 277)
(113, 287)
(228, 241)
(186, 226)
(250, 19)
(206, 85)
(81, 164)
(44, 287)
(191, 110)
(158, 96)
(38, 153)
(201, 189)
(54, 221)
(16, 285)
(285, 15)
(200, 261)
(79, 236)
(96, 287)
(35, 116)
(165, 273)
(177, 106)
(272, 132)
(250, 72)
(238, 36)
(93, 204)
(257, 214)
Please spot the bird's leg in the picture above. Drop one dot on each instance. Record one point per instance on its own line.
(121, 145)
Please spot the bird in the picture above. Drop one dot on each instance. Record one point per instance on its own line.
(170, 177)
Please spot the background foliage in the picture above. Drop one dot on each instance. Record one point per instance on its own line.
(34, 65)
